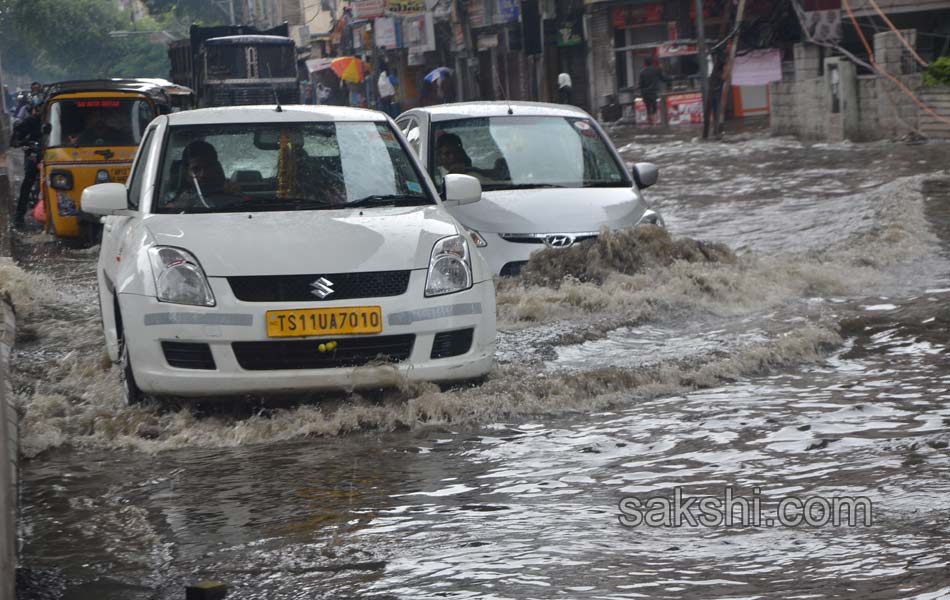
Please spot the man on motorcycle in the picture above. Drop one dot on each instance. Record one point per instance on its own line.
(27, 134)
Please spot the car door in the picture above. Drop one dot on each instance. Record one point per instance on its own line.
(116, 228)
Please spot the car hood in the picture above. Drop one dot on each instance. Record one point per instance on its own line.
(551, 210)
(288, 243)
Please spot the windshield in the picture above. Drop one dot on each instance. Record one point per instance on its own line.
(98, 122)
(286, 166)
(524, 152)
(263, 61)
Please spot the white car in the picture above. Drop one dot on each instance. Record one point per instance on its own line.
(550, 176)
(268, 250)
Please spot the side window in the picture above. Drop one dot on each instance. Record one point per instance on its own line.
(410, 129)
(138, 173)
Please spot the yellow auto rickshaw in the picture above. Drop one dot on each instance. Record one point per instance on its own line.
(91, 130)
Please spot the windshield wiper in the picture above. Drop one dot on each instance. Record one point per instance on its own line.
(388, 200)
(519, 186)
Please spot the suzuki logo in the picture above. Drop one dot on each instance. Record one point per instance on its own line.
(559, 241)
(321, 288)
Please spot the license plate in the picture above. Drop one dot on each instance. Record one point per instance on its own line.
(341, 320)
(120, 174)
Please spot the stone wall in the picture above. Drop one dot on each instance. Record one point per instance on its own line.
(871, 107)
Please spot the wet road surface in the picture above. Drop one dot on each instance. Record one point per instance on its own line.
(811, 360)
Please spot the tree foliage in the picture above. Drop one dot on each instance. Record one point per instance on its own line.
(938, 73)
(53, 40)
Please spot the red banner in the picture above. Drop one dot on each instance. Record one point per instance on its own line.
(636, 14)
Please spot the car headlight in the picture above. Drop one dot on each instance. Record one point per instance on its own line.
(102, 176)
(450, 267)
(179, 278)
(476, 238)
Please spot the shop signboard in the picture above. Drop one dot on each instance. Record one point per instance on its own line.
(570, 33)
(406, 7)
(386, 33)
(368, 9)
(672, 49)
(631, 15)
(684, 109)
(418, 32)
(507, 11)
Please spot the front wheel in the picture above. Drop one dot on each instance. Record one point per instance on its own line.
(130, 390)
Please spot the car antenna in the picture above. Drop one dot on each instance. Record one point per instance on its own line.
(504, 93)
(273, 88)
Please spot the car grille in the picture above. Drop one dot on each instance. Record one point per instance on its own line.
(299, 288)
(452, 343)
(305, 354)
(513, 269)
(541, 238)
(186, 355)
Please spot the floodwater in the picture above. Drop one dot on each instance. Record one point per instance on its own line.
(789, 339)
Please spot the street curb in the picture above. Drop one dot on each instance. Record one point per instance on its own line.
(9, 425)
(8, 455)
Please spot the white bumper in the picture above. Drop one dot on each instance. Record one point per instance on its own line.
(148, 323)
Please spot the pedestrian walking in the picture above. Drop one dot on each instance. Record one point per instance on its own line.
(564, 88)
(650, 78)
(387, 90)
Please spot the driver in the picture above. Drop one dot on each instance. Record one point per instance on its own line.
(98, 132)
(452, 158)
(205, 177)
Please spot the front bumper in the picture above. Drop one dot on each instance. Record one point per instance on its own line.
(148, 323)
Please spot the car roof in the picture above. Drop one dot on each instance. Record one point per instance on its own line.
(462, 110)
(269, 114)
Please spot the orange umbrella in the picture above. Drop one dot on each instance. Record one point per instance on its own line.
(350, 68)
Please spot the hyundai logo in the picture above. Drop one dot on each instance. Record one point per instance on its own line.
(559, 241)
(321, 288)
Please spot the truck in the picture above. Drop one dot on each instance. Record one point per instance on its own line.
(233, 65)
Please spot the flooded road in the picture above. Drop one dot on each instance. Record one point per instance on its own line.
(799, 350)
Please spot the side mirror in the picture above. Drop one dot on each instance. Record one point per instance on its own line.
(645, 174)
(105, 199)
(462, 189)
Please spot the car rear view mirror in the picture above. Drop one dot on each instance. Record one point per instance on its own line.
(645, 174)
(105, 199)
(462, 189)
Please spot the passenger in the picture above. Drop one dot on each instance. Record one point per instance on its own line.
(205, 179)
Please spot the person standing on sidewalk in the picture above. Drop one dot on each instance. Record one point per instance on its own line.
(650, 78)
(564, 88)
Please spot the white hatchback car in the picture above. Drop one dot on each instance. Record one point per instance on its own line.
(550, 176)
(268, 250)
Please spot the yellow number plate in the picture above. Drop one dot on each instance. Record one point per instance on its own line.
(342, 320)
(120, 174)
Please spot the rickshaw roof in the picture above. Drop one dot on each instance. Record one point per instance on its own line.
(141, 86)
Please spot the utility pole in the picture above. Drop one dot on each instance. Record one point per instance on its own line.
(727, 69)
(703, 65)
